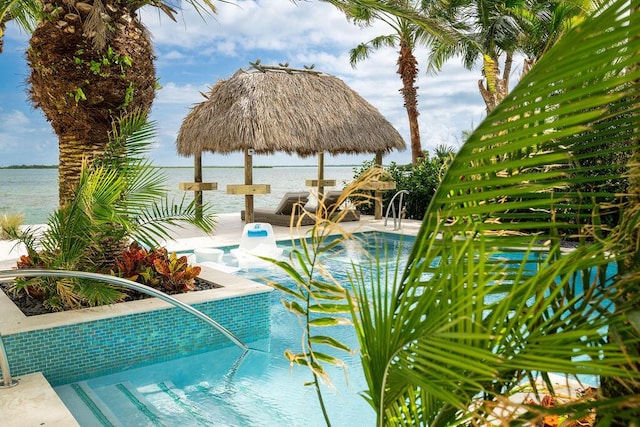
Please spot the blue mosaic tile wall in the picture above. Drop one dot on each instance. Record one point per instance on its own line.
(70, 353)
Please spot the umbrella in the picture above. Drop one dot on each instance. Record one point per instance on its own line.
(270, 109)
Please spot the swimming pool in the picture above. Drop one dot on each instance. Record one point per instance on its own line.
(225, 388)
(222, 388)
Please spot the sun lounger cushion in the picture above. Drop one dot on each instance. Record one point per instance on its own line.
(330, 201)
(289, 200)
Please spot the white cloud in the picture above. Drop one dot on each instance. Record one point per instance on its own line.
(193, 54)
(13, 120)
(261, 24)
(25, 140)
(172, 93)
(173, 55)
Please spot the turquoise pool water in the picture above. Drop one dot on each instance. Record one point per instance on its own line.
(226, 388)
(222, 388)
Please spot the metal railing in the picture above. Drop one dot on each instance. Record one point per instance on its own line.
(7, 380)
(5, 274)
(397, 216)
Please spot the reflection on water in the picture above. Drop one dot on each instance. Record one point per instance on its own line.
(34, 192)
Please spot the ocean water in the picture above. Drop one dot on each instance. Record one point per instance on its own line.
(34, 192)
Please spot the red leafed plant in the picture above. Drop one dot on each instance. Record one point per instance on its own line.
(157, 268)
(136, 264)
(177, 274)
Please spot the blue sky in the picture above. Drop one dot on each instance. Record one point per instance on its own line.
(192, 54)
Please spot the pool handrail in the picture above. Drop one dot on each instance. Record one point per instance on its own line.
(392, 207)
(5, 274)
(7, 380)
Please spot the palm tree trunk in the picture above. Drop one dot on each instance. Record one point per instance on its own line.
(107, 69)
(494, 88)
(71, 153)
(408, 71)
(3, 28)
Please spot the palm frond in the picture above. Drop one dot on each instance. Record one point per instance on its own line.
(150, 225)
(25, 13)
(488, 299)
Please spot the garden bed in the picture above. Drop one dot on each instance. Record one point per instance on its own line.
(33, 307)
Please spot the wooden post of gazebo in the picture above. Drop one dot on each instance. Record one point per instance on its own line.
(320, 175)
(320, 183)
(377, 211)
(197, 186)
(197, 177)
(378, 187)
(248, 180)
(248, 188)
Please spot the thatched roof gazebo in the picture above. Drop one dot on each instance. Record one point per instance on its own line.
(271, 109)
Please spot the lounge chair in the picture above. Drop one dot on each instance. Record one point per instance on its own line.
(330, 200)
(291, 204)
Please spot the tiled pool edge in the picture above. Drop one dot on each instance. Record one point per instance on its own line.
(134, 333)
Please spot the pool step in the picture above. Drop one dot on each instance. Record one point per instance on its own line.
(221, 403)
(175, 405)
(86, 406)
(239, 403)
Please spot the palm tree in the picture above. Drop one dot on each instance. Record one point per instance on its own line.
(544, 23)
(460, 330)
(406, 36)
(91, 62)
(488, 29)
(24, 12)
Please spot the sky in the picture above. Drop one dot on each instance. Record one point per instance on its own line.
(194, 53)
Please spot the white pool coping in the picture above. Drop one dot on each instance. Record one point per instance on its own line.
(33, 402)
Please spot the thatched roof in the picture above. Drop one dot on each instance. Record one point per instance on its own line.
(292, 112)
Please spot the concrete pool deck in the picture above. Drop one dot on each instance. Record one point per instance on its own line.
(34, 402)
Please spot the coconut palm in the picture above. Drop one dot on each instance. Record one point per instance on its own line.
(25, 13)
(488, 29)
(461, 330)
(406, 36)
(544, 23)
(91, 61)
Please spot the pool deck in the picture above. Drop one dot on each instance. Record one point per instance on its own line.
(33, 402)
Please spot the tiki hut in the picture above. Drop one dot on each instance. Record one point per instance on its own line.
(270, 109)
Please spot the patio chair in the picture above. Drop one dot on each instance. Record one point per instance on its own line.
(330, 200)
(291, 204)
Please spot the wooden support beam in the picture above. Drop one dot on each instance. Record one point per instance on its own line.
(377, 208)
(380, 186)
(324, 183)
(248, 189)
(198, 186)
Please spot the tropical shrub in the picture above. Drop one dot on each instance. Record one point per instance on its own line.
(461, 331)
(176, 275)
(420, 181)
(119, 198)
(156, 268)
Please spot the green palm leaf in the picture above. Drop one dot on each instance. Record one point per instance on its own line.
(460, 329)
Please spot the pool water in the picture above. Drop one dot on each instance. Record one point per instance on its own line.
(226, 388)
